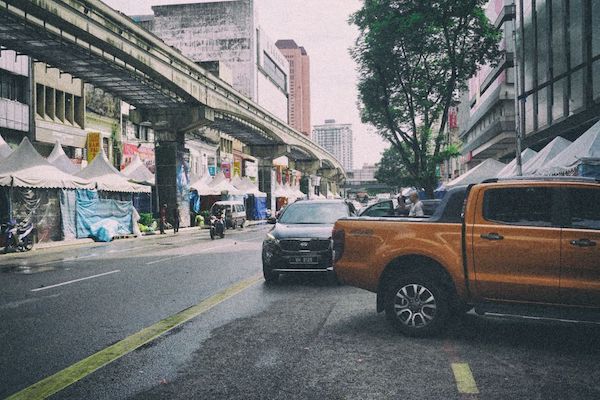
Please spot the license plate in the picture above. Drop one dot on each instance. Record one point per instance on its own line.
(304, 260)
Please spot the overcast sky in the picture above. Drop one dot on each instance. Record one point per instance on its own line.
(321, 27)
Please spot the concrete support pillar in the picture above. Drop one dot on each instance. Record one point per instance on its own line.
(265, 180)
(324, 187)
(172, 174)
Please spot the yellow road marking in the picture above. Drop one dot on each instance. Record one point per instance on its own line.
(57, 382)
(464, 378)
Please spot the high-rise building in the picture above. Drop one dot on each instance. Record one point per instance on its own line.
(227, 31)
(299, 100)
(336, 139)
(486, 117)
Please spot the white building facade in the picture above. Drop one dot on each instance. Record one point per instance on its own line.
(336, 139)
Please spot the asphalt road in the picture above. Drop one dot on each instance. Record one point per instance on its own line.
(303, 338)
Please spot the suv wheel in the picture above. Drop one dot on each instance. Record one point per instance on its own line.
(270, 275)
(417, 305)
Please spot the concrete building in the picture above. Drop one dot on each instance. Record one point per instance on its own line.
(15, 97)
(365, 174)
(228, 32)
(299, 100)
(487, 124)
(559, 68)
(336, 139)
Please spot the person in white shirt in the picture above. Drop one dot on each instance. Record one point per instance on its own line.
(416, 207)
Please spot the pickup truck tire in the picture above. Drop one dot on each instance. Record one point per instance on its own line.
(417, 305)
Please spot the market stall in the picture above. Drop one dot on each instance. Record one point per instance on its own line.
(137, 172)
(255, 201)
(542, 158)
(511, 169)
(33, 189)
(580, 158)
(108, 212)
(202, 196)
(489, 168)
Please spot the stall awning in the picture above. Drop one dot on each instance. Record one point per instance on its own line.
(586, 147)
(511, 168)
(489, 168)
(202, 186)
(59, 159)
(5, 149)
(551, 150)
(221, 184)
(25, 167)
(137, 172)
(108, 178)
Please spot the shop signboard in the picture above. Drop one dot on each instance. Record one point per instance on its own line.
(93, 143)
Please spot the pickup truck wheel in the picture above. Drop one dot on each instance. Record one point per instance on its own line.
(416, 305)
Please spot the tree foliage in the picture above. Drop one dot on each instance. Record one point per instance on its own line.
(413, 57)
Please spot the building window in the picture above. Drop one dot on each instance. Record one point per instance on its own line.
(13, 87)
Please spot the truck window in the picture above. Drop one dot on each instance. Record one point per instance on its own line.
(529, 206)
(584, 208)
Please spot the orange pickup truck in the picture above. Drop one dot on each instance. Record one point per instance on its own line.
(521, 246)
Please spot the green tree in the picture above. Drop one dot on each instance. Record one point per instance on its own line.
(413, 57)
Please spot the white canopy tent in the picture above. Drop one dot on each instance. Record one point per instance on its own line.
(511, 168)
(5, 149)
(108, 178)
(489, 168)
(220, 184)
(202, 186)
(59, 159)
(551, 150)
(247, 187)
(137, 172)
(25, 167)
(587, 147)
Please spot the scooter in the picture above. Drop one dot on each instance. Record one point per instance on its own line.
(17, 237)
(217, 226)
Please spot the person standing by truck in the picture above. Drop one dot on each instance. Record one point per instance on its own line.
(416, 207)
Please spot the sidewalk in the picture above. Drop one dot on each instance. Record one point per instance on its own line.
(147, 235)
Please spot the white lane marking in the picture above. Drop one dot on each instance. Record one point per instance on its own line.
(76, 280)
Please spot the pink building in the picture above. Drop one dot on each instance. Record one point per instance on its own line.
(299, 89)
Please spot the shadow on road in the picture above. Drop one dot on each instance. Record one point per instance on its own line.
(530, 334)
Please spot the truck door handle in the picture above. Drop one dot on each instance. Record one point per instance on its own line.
(583, 243)
(492, 236)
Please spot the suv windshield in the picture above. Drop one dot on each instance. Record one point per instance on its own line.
(314, 213)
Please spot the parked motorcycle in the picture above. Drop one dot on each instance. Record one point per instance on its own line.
(217, 226)
(17, 237)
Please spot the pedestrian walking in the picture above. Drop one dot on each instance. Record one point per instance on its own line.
(175, 219)
(416, 207)
(163, 218)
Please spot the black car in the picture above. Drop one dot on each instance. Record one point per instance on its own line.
(388, 208)
(301, 238)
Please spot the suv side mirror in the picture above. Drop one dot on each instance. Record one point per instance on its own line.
(272, 220)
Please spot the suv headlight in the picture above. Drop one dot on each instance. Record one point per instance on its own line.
(271, 239)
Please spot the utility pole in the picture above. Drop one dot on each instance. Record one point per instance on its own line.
(518, 129)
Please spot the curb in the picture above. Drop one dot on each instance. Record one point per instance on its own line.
(147, 235)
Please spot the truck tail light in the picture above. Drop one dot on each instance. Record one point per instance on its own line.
(338, 237)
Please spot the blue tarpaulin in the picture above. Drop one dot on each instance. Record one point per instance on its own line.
(195, 201)
(260, 208)
(102, 219)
